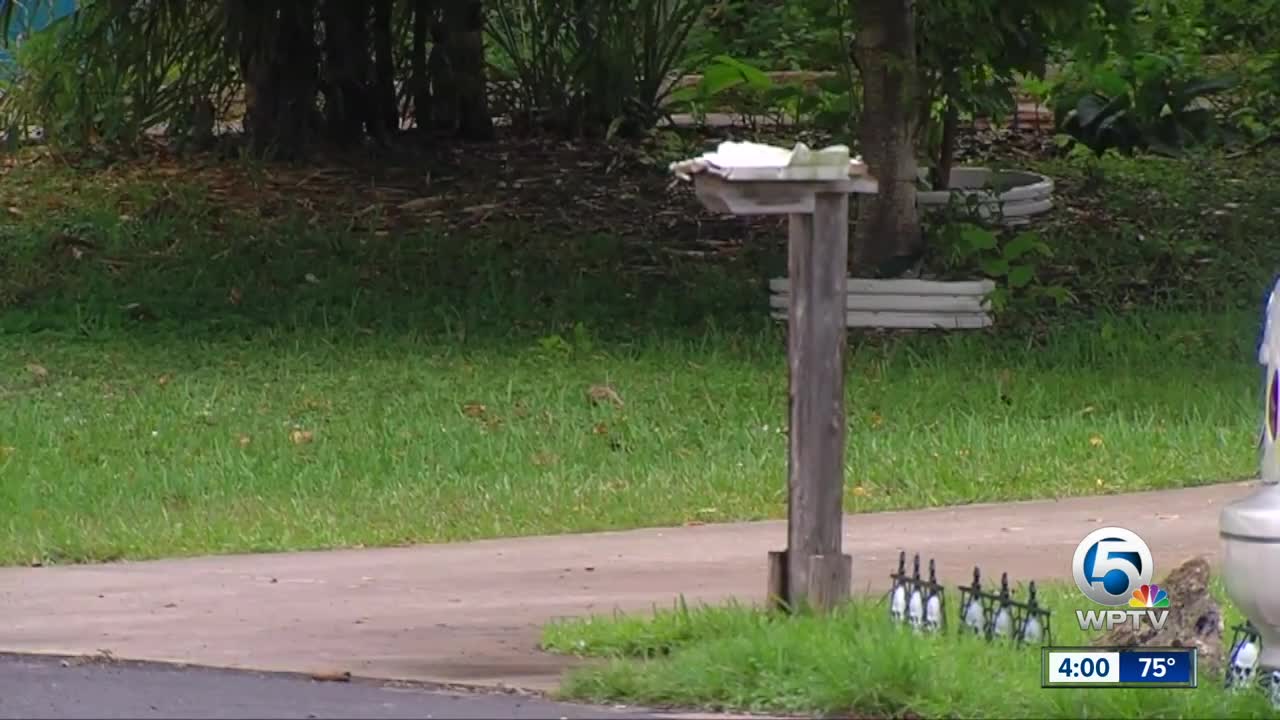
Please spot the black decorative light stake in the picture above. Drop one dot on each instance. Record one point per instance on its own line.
(1033, 620)
(1242, 667)
(922, 604)
(935, 602)
(898, 590)
(1267, 679)
(974, 607)
(915, 596)
(1002, 622)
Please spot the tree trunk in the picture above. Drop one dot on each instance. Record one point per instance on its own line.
(347, 93)
(444, 87)
(420, 83)
(274, 41)
(947, 150)
(387, 114)
(584, 111)
(888, 229)
(464, 22)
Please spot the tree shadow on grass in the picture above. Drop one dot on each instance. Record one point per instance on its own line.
(203, 255)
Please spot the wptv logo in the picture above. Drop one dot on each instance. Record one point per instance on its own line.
(1112, 567)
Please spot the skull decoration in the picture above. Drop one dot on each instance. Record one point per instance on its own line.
(1243, 663)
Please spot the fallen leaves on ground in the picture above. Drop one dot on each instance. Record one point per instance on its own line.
(102, 657)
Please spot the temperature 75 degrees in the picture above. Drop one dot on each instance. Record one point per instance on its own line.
(1156, 667)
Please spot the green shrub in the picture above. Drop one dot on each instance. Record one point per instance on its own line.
(105, 77)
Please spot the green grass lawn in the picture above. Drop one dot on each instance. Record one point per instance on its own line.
(185, 374)
(139, 448)
(855, 662)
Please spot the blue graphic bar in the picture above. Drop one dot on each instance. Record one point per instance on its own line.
(1162, 667)
(1115, 667)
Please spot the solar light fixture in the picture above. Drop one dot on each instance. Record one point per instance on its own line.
(915, 601)
(1269, 682)
(1001, 625)
(1032, 620)
(1243, 664)
(922, 604)
(915, 596)
(935, 602)
(898, 590)
(975, 605)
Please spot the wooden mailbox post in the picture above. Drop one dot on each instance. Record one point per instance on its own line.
(813, 571)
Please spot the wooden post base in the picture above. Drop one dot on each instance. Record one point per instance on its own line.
(828, 586)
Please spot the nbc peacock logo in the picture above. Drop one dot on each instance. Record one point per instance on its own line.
(1149, 596)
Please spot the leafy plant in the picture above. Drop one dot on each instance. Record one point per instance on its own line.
(1160, 98)
(829, 101)
(1233, 25)
(726, 82)
(1246, 35)
(1257, 113)
(1153, 102)
(1014, 263)
(776, 36)
(592, 66)
(831, 106)
(811, 35)
(972, 54)
(722, 76)
(107, 75)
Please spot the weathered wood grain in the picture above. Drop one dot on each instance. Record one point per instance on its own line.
(817, 257)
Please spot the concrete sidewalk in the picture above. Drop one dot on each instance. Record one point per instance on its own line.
(470, 613)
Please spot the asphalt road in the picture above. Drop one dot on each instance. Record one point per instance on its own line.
(49, 687)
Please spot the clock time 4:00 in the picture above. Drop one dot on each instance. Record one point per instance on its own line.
(1129, 666)
(1084, 667)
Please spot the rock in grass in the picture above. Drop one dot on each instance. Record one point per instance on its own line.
(1195, 620)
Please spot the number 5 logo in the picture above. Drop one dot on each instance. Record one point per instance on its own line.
(1110, 563)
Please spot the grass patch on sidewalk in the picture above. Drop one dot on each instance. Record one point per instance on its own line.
(226, 358)
(738, 658)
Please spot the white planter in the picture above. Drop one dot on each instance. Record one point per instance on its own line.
(905, 304)
(1016, 196)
